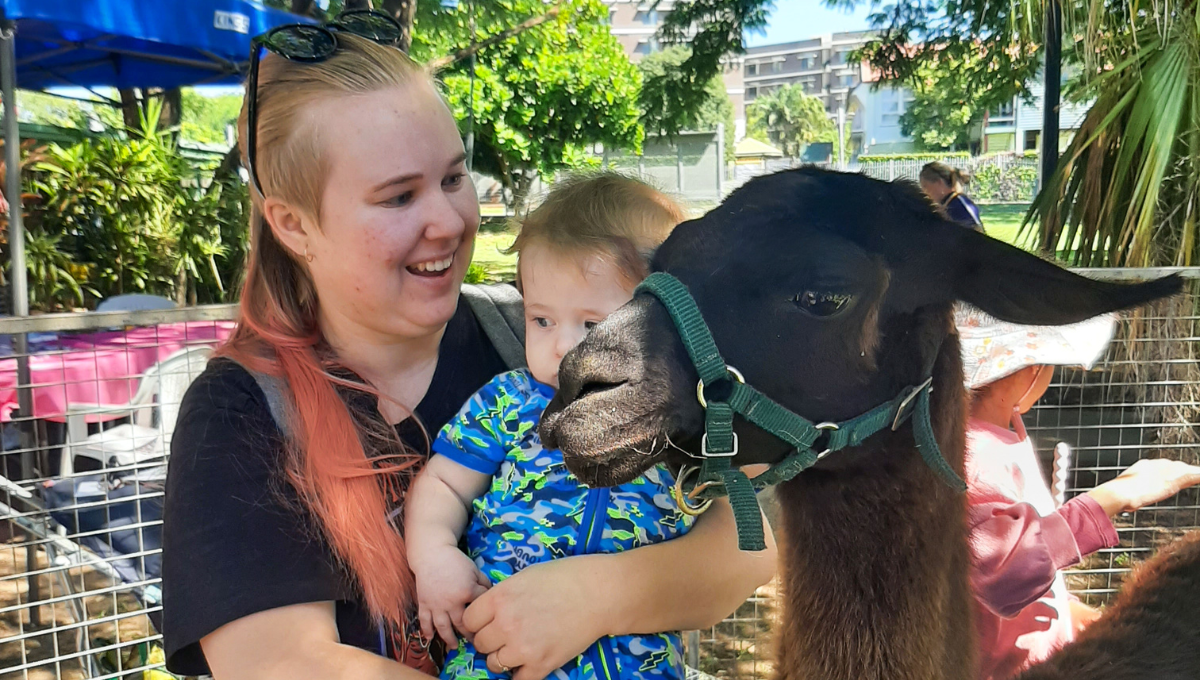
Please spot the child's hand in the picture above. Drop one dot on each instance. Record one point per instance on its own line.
(447, 581)
(1144, 483)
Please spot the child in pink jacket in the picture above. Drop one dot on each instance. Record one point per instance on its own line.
(1020, 541)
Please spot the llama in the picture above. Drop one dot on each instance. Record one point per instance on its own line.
(831, 293)
(1152, 631)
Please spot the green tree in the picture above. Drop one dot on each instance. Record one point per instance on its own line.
(790, 119)
(712, 30)
(663, 115)
(1127, 191)
(205, 117)
(542, 96)
(947, 107)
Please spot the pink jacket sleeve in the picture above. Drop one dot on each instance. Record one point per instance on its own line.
(1016, 553)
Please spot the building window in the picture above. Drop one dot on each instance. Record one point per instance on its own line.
(1032, 139)
(893, 108)
(810, 84)
(846, 80)
(751, 93)
(842, 56)
(1003, 112)
(808, 63)
(643, 48)
(649, 18)
(751, 69)
(776, 66)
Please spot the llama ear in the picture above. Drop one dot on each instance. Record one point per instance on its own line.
(1017, 287)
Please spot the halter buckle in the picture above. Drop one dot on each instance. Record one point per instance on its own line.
(829, 427)
(705, 453)
(905, 409)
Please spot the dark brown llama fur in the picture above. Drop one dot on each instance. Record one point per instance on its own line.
(904, 614)
(1152, 632)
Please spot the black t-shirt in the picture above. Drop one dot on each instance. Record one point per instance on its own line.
(234, 539)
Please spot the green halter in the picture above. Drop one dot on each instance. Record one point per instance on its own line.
(811, 442)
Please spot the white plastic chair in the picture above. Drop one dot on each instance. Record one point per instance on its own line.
(134, 302)
(147, 437)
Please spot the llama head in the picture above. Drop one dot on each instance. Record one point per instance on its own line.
(830, 292)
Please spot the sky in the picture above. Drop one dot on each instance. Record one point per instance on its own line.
(799, 19)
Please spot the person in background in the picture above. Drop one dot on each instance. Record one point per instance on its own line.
(1020, 541)
(945, 185)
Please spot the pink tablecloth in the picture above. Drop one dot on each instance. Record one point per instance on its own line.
(101, 368)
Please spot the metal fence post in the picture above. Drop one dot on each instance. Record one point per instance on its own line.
(18, 274)
(720, 161)
(678, 167)
(693, 649)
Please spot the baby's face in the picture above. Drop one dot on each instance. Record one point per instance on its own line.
(565, 295)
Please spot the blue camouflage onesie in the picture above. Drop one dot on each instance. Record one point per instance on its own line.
(537, 511)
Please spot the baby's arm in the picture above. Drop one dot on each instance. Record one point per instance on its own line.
(436, 512)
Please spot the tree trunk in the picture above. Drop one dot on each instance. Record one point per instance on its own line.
(227, 168)
(306, 8)
(172, 112)
(181, 287)
(130, 109)
(404, 11)
(522, 183)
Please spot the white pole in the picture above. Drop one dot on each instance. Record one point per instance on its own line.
(841, 131)
(12, 156)
(19, 282)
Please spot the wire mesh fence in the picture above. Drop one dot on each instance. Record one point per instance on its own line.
(88, 404)
(83, 462)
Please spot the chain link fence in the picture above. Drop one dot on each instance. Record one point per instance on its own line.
(81, 494)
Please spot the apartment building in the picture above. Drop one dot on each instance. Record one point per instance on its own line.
(821, 64)
(635, 24)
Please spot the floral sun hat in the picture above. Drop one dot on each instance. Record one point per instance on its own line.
(994, 349)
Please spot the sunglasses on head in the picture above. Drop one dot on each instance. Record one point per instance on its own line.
(308, 43)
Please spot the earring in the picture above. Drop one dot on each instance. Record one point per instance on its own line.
(307, 256)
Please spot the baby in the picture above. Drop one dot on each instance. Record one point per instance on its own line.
(581, 254)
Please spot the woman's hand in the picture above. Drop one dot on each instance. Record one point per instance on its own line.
(542, 617)
(1144, 483)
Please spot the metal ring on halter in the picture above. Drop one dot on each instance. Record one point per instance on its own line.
(831, 427)
(682, 498)
(737, 375)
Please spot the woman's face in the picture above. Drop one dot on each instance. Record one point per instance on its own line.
(935, 189)
(398, 214)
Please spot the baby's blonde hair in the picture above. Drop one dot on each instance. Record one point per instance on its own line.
(603, 213)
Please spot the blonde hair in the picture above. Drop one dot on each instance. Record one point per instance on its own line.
(606, 213)
(349, 493)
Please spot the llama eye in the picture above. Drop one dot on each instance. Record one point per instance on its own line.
(821, 303)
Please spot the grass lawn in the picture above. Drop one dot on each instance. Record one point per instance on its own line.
(488, 254)
(1002, 221)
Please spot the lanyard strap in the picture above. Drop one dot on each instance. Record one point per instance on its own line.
(717, 477)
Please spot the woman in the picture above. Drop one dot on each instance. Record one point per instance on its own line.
(281, 556)
(945, 185)
(1020, 541)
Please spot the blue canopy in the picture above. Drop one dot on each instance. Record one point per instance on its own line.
(135, 43)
